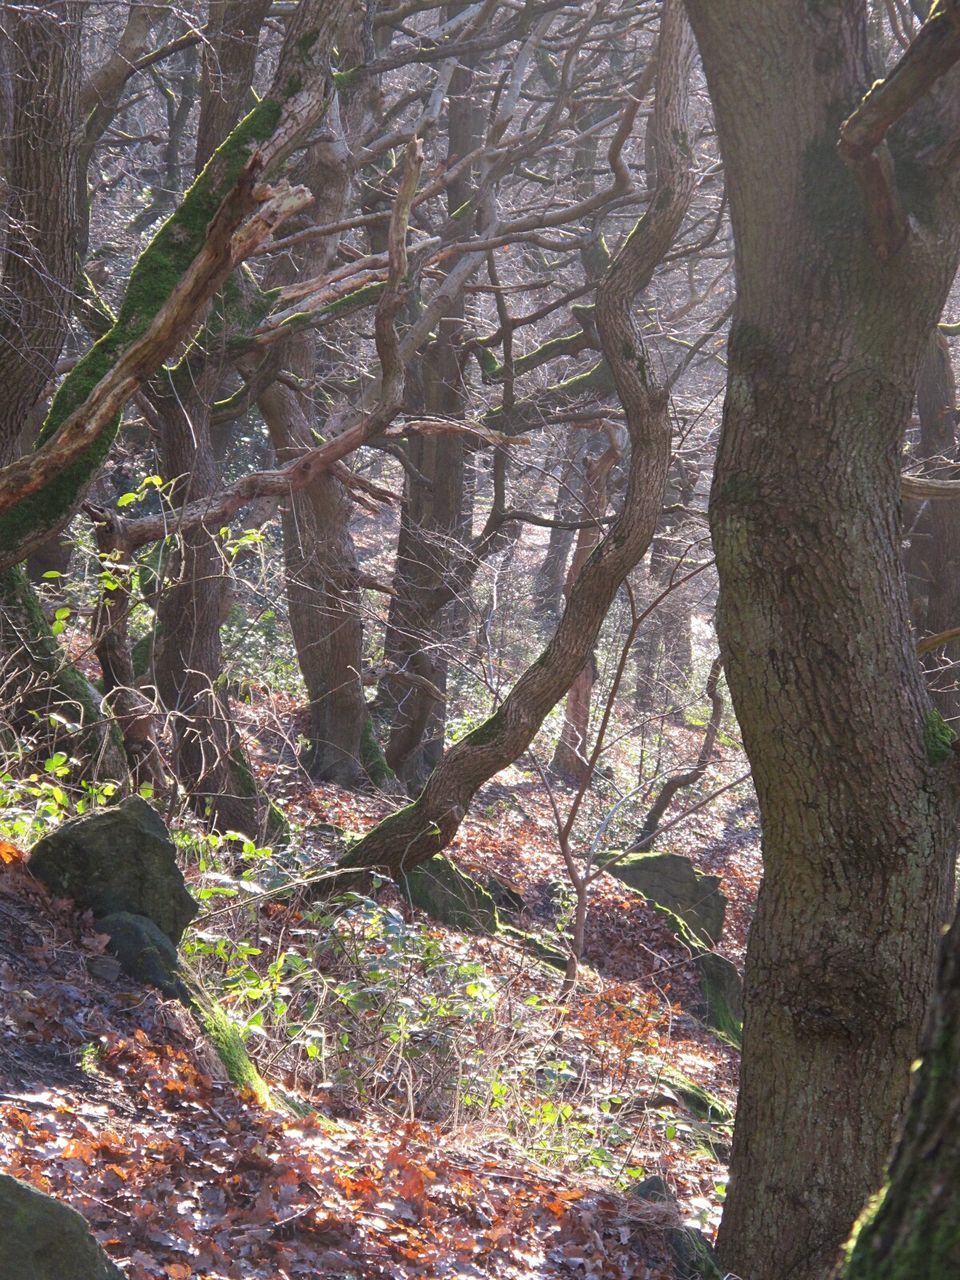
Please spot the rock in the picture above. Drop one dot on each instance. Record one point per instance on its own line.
(700, 1102)
(674, 882)
(723, 993)
(119, 859)
(506, 898)
(451, 896)
(144, 951)
(43, 1239)
(720, 985)
(691, 1252)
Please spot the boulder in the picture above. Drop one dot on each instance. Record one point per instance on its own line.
(144, 951)
(672, 881)
(119, 859)
(43, 1239)
(451, 896)
(691, 1252)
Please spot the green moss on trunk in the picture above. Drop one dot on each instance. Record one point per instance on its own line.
(156, 274)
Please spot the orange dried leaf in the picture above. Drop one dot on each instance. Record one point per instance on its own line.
(10, 855)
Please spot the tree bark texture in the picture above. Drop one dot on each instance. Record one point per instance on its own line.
(430, 543)
(858, 810)
(320, 559)
(427, 826)
(38, 270)
(912, 1230)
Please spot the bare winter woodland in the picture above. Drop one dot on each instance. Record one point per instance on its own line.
(485, 475)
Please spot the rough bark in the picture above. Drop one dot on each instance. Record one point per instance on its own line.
(320, 560)
(428, 825)
(912, 1229)
(41, 53)
(858, 811)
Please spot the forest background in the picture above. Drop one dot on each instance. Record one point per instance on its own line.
(365, 495)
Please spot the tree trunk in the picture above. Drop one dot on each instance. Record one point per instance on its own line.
(570, 757)
(431, 528)
(435, 516)
(912, 1230)
(320, 559)
(40, 47)
(323, 598)
(552, 572)
(188, 658)
(858, 813)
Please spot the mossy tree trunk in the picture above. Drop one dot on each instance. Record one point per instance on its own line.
(173, 280)
(430, 823)
(838, 292)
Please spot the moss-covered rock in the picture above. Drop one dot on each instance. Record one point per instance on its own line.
(691, 1253)
(700, 1102)
(672, 881)
(43, 1239)
(144, 951)
(119, 859)
(451, 896)
(720, 985)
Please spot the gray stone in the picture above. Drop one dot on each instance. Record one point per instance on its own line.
(691, 1252)
(144, 951)
(119, 859)
(672, 881)
(43, 1239)
(451, 896)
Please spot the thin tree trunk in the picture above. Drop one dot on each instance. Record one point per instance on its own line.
(570, 756)
(932, 558)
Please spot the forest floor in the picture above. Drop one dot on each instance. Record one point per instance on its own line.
(111, 1099)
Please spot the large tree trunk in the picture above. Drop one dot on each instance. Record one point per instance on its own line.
(323, 598)
(40, 54)
(858, 813)
(912, 1231)
(435, 517)
(430, 823)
